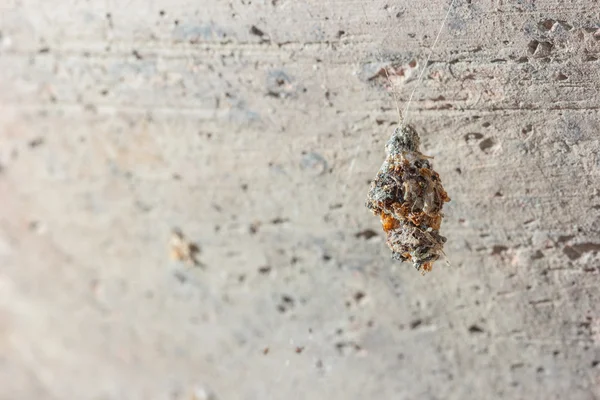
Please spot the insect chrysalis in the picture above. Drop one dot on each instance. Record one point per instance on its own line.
(408, 196)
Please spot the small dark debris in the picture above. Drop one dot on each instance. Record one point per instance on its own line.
(44, 50)
(287, 299)
(486, 124)
(340, 34)
(486, 144)
(475, 329)
(526, 129)
(265, 351)
(265, 269)
(415, 324)
(546, 25)
(498, 194)
(137, 55)
(257, 32)
(561, 77)
(36, 142)
(365, 234)
(335, 206)
(280, 85)
(537, 255)
(299, 349)
(358, 296)
(458, 170)
(539, 370)
(326, 257)
(595, 363)
(498, 249)
(564, 238)
(183, 249)
(162, 13)
(279, 220)
(342, 346)
(244, 187)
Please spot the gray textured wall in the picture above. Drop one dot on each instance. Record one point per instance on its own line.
(254, 127)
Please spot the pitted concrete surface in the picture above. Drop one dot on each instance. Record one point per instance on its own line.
(255, 127)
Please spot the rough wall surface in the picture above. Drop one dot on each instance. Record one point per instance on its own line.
(254, 127)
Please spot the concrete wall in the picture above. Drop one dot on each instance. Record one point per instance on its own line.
(254, 128)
